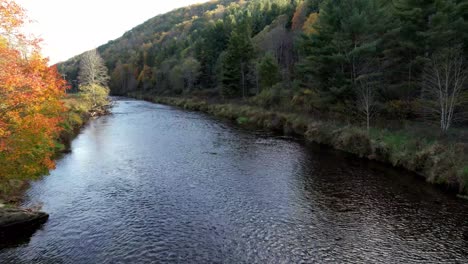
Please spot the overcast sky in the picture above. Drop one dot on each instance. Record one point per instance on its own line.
(71, 27)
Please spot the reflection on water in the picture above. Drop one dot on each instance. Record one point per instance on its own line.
(151, 183)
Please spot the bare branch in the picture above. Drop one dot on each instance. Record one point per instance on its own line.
(444, 87)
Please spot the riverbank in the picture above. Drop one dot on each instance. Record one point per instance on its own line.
(19, 223)
(77, 114)
(441, 163)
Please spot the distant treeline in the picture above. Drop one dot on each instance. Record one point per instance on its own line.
(399, 60)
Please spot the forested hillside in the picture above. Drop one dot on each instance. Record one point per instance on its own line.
(353, 59)
(180, 50)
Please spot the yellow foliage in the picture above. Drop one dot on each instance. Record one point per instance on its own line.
(308, 27)
(96, 95)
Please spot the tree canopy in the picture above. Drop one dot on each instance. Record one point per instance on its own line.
(317, 52)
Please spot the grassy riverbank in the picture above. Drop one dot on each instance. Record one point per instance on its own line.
(78, 112)
(439, 162)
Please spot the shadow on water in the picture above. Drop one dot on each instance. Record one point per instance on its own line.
(15, 237)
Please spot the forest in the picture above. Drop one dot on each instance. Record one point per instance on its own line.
(359, 59)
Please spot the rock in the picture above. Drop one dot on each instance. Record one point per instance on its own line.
(15, 220)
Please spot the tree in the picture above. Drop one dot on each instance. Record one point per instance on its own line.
(123, 79)
(406, 46)
(30, 106)
(213, 42)
(92, 69)
(366, 97)
(237, 62)
(308, 27)
(444, 82)
(145, 79)
(268, 71)
(447, 26)
(300, 15)
(176, 79)
(191, 72)
(345, 36)
(93, 79)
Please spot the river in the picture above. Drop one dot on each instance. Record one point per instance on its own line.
(152, 183)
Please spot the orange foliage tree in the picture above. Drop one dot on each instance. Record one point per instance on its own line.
(30, 105)
(299, 16)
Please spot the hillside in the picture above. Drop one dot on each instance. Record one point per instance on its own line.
(145, 57)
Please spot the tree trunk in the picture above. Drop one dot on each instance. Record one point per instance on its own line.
(243, 80)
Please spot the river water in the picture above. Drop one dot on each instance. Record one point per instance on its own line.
(152, 184)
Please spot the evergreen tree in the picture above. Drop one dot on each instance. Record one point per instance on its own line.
(346, 42)
(407, 47)
(268, 71)
(207, 50)
(237, 62)
(448, 26)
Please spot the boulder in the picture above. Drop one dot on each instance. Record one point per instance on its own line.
(15, 220)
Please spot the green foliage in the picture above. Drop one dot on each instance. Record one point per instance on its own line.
(353, 140)
(176, 79)
(242, 120)
(269, 98)
(237, 62)
(464, 179)
(345, 46)
(268, 70)
(143, 58)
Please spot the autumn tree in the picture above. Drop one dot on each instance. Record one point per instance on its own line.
(93, 79)
(300, 15)
(123, 79)
(308, 27)
(145, 79)
(30, 105)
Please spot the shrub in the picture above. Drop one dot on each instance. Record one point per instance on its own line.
(464, 179)
(353, 140)
(242, 120)
(269, 98)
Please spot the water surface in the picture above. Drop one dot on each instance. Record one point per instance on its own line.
(152, 184)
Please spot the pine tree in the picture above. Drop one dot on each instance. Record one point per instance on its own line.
(268, 71)
(237, 62)
(407, 47)
(448, 26)
(348, 37)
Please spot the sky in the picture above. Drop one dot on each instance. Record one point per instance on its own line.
(70, 27)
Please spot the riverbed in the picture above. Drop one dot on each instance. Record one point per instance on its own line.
(151, 183)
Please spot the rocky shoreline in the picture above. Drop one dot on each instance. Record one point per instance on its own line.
(16, 223)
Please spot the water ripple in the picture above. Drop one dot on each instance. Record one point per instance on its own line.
(153, 184)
